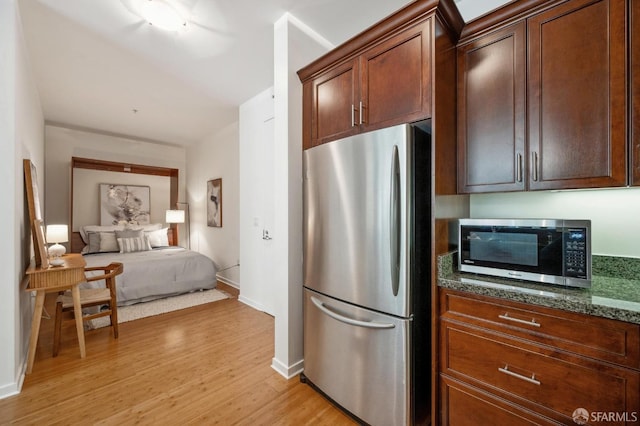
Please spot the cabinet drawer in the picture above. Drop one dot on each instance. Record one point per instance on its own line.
(464, 405)
(600, 338)
(542, 379)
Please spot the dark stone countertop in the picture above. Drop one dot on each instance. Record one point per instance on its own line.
(614, 292)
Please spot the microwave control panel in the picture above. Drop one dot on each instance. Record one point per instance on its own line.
(575, 252)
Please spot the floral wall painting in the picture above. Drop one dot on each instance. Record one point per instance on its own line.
(124, 204)
(214, 203)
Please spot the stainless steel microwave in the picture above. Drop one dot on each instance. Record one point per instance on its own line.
(553, 251)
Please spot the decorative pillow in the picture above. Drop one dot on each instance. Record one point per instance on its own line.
(84, 230)
(93, 245)
(108, 242)
(158, 238)
(130, 233)
(129, 245)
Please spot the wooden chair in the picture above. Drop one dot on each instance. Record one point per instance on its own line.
(105, 298)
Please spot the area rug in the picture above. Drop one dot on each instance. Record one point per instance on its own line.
(160, 306)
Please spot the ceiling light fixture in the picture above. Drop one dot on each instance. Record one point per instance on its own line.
(161, 14)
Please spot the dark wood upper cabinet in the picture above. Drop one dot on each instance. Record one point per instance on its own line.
(546, 110)
(491, 111)
(396, 79)
(577, 99)
(334, 96)
(389, 83)
(386, 76)
(635, 91)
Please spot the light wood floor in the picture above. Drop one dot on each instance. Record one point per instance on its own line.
(210, 364)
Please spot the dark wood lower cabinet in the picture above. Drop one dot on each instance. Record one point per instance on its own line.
(514, 373)
(465, 405)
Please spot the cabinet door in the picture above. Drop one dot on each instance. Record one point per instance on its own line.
(635, 91)
(540, 378)
(464, 405)
(334, 103)
(491, 112)
(396, 79)
(577, 134)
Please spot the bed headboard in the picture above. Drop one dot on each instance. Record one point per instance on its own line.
(77, 244)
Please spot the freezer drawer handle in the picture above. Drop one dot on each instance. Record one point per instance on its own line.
(348, 320)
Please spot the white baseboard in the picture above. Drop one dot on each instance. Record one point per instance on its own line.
(229, 283)
(12, 389)
(230, 276)
(9, 390)
(252, 303)
(287, 371)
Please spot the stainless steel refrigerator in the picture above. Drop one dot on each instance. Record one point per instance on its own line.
(367, 216)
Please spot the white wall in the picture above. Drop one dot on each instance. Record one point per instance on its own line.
(22, 136)
(295, 45)
(215, 157)
(63, 143)
(613, 212)
(257, 204)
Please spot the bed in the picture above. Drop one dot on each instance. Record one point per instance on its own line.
(152, 268)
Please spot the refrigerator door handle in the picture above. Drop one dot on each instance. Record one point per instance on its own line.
(348, 320)
(394, 219)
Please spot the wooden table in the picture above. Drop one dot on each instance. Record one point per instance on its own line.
(55, 279)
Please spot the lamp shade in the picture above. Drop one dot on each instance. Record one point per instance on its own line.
(175, 216)
(57, 233)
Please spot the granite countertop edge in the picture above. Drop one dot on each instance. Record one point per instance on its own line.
(596, 301)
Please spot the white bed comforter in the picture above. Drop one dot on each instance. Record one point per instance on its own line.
(156, 273)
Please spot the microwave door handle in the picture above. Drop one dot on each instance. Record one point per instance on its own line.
(394, 221)
(347, 320)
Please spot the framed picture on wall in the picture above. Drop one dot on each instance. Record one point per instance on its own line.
(214, 203)
(35, 214)
(122, 204)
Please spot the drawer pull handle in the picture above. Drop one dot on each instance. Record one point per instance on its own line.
(508, 318)
(531, 379)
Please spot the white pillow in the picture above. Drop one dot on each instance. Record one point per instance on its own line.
(158, 238)
(149, 227)
(130, 245)
(108, 242)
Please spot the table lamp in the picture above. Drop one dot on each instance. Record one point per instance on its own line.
(174, 216)
(178, 216)
(57, 234)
